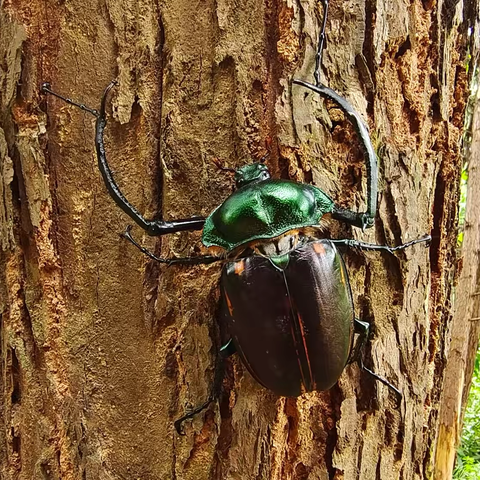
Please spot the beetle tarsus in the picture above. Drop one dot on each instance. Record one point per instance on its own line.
(321, 43)
(382, 380)
(367, 221)
(178, 423)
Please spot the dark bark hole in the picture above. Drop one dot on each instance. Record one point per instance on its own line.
(45, 470)
(58, 459)
(448, 13)
(435, 107)
(301, 472)
(360, 448)
(438, 212)
(390, 427)
(257, 86)
(171, 365)
(16, 376)
(406, 45)
(428, 4)
(398, 451)
(293, 420)
(414, 122)
(16, 442)
(226, 429)
(330, 420)
(228, 64)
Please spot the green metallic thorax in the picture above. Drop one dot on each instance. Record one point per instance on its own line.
(262, 210)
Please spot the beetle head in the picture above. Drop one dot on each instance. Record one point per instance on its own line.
(253, 172)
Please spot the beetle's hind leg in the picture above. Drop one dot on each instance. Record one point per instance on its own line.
(225, 351)
(197, 260)
(363, 329)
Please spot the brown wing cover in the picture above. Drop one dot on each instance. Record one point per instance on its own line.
(291, 327)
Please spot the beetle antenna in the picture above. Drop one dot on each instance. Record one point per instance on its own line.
(46, 89)
(321, 43)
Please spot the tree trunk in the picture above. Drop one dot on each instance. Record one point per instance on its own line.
(102, 348)
(465, 328)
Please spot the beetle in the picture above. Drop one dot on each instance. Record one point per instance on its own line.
(285, 292)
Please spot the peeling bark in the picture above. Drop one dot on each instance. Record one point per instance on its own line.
(465, 330)
(102, 349)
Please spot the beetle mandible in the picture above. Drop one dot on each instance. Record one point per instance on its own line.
(268, 230)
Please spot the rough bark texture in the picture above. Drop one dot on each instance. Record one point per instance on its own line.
(465, 329)
(101, 348)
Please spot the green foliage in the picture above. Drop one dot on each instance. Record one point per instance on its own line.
(462, 204)
(463, 195)
(468, 455)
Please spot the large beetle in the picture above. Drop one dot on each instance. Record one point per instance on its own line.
(286, 295)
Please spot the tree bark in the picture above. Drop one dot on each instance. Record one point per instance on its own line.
(465, 328)
(103, 349)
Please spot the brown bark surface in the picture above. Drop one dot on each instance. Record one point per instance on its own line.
(465, 328)
(103, 349)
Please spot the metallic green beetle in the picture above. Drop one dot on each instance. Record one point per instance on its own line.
(286, 298)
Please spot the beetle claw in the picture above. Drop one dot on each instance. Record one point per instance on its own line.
(178, 427)
(367, 221)
(126, 234)
(45, 88)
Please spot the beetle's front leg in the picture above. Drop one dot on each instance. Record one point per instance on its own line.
(152, 227)
(363, 329)
(197, 260)
(358, 219)
(225, 351)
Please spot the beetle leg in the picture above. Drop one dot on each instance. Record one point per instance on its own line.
(321, 42)
(152, 227)
(46, 89)
(225, 351)
(358, 219)
(348, 242)
(178, 423)
(228, 349)
(365, 219)
(363, 329)
(197, 260)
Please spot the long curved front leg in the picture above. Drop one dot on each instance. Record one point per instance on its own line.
(152, 227)
(357, 219)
